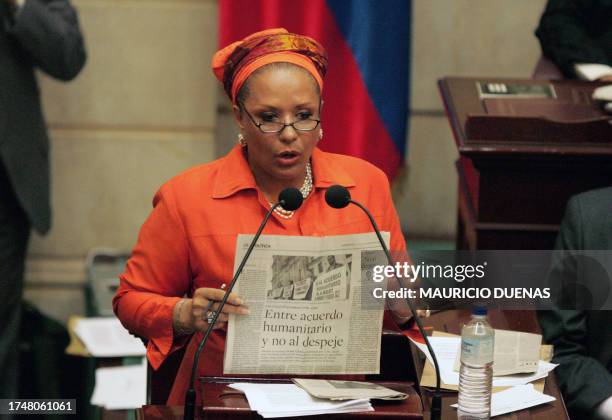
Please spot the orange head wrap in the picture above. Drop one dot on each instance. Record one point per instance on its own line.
(235, 63)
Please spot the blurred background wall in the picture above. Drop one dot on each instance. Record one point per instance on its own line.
(147, 106)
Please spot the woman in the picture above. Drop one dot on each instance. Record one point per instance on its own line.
(186, 246)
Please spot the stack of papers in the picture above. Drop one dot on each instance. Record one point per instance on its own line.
(121, 388)
(518, 397)
(106, 337)
(289, 400)
(447, 350)
(332, 389)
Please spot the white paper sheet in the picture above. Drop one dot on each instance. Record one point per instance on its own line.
(121, 387)
(516, 398)
(273, 415)
(592, 71)
(283, 400)
(446, 349)
(106, 337)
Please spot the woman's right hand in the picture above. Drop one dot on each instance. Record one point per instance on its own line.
(192, 315)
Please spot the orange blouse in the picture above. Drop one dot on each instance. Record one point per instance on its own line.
(189, 241)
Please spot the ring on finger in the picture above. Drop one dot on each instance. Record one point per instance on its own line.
(210, 316)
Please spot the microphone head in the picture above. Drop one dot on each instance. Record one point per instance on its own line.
(290, 199)
(337, 196)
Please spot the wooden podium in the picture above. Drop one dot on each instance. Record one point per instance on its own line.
(220, 402)
(516, 170)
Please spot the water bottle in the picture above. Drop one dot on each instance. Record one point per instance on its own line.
(476, 374)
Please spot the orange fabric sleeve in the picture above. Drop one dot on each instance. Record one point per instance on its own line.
(398, 242)
(381, 194)
(398, 253)
(156, 277)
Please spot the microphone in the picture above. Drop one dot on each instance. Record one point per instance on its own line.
(290, 199)
(339, 197)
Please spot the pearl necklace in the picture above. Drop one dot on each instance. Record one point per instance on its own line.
(306, 189)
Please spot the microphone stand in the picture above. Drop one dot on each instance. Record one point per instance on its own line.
(436, 400)
(190, 395)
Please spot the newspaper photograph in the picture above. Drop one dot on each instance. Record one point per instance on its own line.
(307, 310)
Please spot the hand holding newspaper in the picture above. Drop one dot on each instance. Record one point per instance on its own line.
(309, 310)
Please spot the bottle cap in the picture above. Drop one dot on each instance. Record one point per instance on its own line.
(479, 310)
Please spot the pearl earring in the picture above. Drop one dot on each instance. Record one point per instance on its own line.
(241, 140)
(320, 134)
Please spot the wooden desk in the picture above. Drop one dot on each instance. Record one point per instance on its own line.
(235, 406)
(512, 194)
(221, 402)
(452, 321)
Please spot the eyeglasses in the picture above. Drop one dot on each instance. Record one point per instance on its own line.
(307, 124)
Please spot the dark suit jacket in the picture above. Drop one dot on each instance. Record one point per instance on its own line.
(576, 31)
(43, 34)
(583, 338)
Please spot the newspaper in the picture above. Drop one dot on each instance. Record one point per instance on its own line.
(515, 352)
(307, 308)
(347, 390)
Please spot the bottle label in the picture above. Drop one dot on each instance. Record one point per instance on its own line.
(477, 350)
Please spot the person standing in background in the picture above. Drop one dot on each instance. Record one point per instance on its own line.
(580, 333)
(40, 34)
(577, 36)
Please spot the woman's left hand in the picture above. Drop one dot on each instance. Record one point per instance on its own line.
(206, 299)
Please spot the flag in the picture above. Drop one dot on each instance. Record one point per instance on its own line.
(366, 92)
